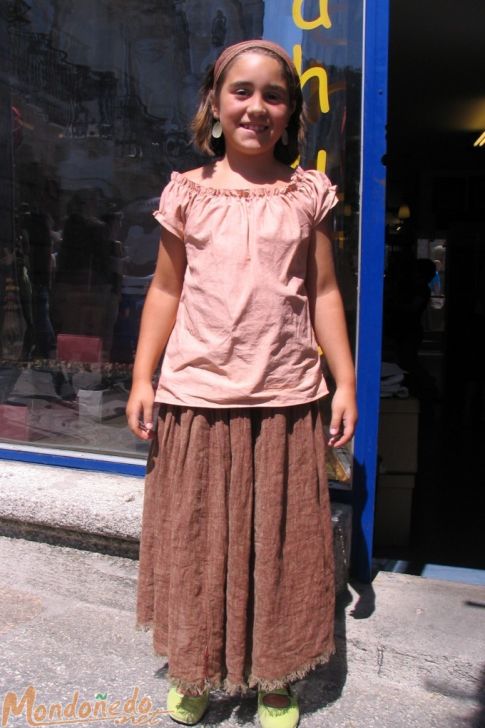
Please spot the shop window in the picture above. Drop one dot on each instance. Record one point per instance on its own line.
(95, 109)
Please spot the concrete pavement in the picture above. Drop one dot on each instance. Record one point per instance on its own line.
(410, 651)
(100, 511)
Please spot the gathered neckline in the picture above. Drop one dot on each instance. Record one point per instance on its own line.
(262, 191)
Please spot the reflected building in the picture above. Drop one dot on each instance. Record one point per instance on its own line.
(96, 106)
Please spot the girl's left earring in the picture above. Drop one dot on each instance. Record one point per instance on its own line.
(217, 129)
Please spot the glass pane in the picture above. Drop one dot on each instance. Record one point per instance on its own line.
(325, 39)
(334, 134)
(94, 116)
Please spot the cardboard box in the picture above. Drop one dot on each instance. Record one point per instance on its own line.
(91, 403)
(14, 422)
(398, 435)
(394, 500)
(73, 347)
(101, 404)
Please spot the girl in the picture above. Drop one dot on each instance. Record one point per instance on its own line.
(236, 564)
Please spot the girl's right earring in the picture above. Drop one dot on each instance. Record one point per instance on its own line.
(217, 129)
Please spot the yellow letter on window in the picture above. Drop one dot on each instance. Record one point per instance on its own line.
(321, 160)
(317, 72)
(323, 18)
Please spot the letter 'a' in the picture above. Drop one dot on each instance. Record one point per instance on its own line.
(300, 22)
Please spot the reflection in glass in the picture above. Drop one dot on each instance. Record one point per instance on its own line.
(96, 111)
(339, 50)
(328, 56)
(95, 106)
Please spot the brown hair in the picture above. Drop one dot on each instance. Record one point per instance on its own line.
(204, 120)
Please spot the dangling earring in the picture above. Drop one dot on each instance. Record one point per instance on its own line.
(284, 138)
(217, 129)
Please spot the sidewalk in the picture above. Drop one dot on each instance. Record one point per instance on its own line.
(100, 511)
(410, 651)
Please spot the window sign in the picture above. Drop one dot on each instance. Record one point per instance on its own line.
(325, 41)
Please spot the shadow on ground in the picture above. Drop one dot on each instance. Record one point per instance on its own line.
(322, 687)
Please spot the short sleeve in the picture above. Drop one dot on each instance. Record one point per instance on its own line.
(322, 195)
(172, 207)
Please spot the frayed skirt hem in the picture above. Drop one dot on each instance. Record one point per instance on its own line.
(227, 685)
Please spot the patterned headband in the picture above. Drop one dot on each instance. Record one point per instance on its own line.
(231, 52)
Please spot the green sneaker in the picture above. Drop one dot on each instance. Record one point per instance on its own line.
(286, 717)
(186, 709)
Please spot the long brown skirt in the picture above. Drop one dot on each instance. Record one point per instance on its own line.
(236, 574)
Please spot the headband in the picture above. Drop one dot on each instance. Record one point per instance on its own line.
(232, 51)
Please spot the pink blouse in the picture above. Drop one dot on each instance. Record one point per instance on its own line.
(243, 335)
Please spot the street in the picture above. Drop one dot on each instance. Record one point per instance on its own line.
(410, 651)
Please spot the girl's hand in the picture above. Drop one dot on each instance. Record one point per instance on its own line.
(344, 416)
(139, 410)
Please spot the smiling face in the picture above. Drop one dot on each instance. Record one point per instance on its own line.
(253, 104)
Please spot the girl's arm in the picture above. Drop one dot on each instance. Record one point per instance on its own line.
(328, 319)
(157, 321)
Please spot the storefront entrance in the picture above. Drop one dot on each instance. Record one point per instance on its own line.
(96, 117)
(434, 305)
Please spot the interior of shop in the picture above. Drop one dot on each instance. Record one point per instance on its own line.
(434, 311)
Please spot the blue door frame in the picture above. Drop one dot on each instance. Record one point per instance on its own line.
(371, 280)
